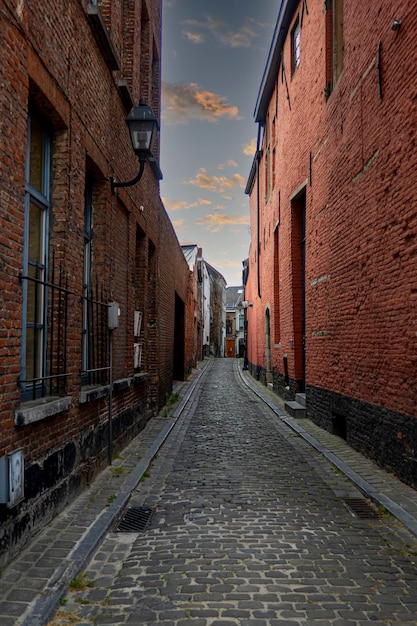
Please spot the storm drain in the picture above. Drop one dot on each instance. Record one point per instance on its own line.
(361, 508)
(135, 520)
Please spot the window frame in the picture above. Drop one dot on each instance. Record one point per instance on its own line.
(34, 387)
(87, 269)
(295, 46)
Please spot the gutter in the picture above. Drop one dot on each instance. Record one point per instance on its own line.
(285, 16)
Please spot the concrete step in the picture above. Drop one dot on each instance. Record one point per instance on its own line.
(300, 398)
(295, 409)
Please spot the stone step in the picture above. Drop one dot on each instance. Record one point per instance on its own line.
(295, 409)
(300, 398)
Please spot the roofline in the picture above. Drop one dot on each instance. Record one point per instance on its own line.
(251, 179)
(285, 15)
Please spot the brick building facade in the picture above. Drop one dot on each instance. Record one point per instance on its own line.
(70, 73)
(332, 266)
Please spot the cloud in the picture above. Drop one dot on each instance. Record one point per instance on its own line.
(249, 148)
(178, 225)
(242, 37)
(193, 37)
(218, 184)
(229, 163)
(182, 102)
(182, 205)
(215, 221)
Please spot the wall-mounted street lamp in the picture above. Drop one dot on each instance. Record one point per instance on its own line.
(143, 127)
(246, 304)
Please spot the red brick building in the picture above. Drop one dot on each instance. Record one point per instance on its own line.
(70, 74)
(332, 268)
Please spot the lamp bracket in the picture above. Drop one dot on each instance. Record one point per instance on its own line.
(129, 183)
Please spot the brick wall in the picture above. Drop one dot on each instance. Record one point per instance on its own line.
(136, 258)
(352, 154)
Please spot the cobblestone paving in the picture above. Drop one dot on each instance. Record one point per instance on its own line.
(250, 527)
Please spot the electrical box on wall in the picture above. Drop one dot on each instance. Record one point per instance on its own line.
(113, 315)
(12, 478)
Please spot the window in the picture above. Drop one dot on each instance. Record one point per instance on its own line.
(295, 45)
(95, 344)
(334, 43)
(44, 286)
(241, 321)
(88, 232)
(35, 254)
(267, 157)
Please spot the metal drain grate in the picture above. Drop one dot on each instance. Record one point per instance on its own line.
(135, 520)
(361, 508)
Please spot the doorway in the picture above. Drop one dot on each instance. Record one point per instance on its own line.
(268, 347)
(179, 339)
(230, 348)
(298, 205)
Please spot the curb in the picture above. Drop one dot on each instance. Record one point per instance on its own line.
(45, 606)
(396, 510)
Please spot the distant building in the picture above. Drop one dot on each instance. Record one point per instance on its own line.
(332, 264)
(235, 322)
(217, 312)
(194, 313)
(205, 303)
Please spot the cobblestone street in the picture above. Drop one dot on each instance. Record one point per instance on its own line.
(251, 527)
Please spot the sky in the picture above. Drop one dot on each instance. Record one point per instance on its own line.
(213, 56)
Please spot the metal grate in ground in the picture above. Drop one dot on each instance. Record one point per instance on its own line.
(135, 520)
(361, 508)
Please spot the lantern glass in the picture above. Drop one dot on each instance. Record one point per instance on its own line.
(142, 127)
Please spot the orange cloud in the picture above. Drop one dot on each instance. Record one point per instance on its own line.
(250, 148)
(183, 205)
(229, 163)
(178, 225)
(214, 221)
(182, 102)
(218, 184)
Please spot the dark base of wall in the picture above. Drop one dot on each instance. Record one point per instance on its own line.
(387, 437)
(286, 388)
(51, 485)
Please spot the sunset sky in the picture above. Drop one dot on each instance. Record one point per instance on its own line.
(213, 56)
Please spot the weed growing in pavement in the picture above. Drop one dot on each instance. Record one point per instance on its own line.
(80, 582)
(383, 513)
(117, 471)
(83, 601)
(169, 403)
(64, 619)
(63, 601)
(110, 499)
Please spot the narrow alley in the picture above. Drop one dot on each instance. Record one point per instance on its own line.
(250, 526)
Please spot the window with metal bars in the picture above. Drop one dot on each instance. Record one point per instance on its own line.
(95, 339)
(43, 369)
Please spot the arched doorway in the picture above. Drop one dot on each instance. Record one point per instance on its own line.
(268, 347)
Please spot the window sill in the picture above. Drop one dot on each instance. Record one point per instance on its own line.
(140, 377)
(103, 37)
(37, 410)
(88, 394)
(126, 96)
(123, 383)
